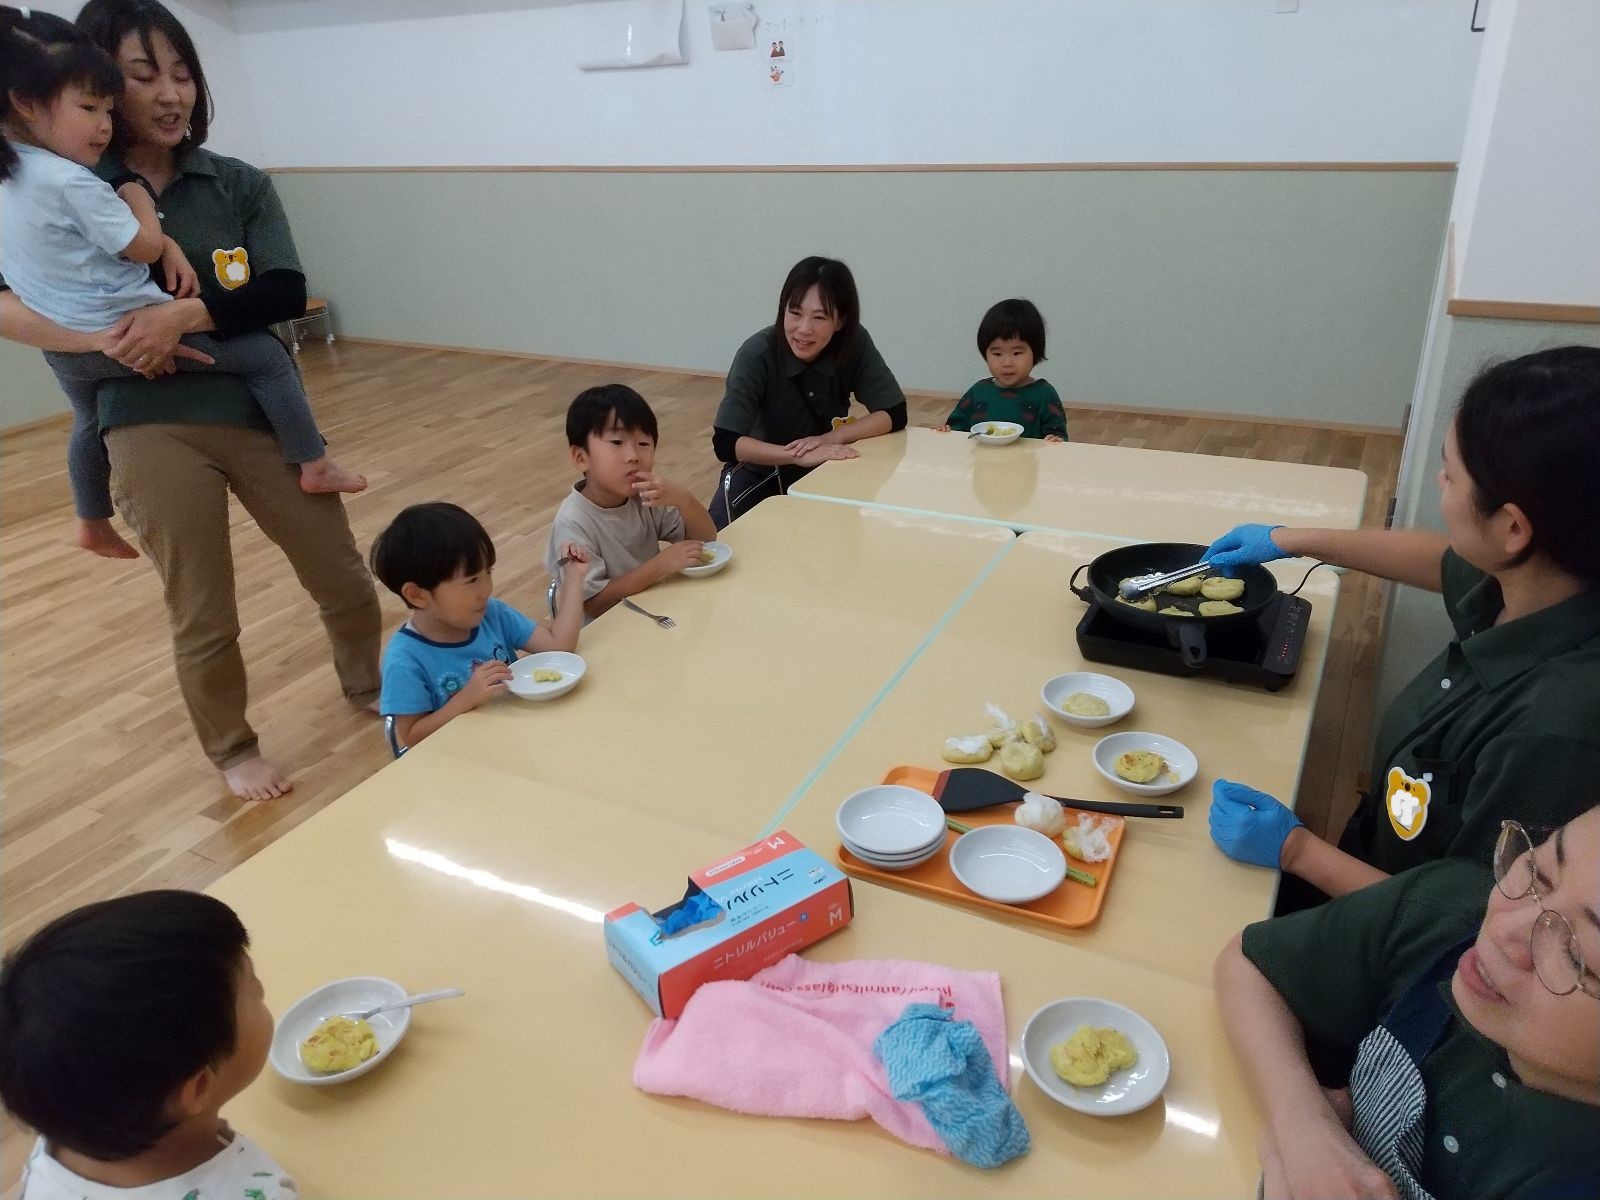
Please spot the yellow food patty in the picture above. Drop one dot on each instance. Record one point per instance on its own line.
(338, 1044)
(1214, 587)
(1083, 704)
(1139, 766)
(1090, 1056)
(546, 675)
(1218, 608)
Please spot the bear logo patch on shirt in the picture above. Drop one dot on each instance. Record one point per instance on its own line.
(1407, 803)
(232, 267)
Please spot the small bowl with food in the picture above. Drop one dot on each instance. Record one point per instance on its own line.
(997, 433)
(317, 1042)
(713, 557)
(1087, 699)
(546, 676)
(1095, 1056)
(1147, 764)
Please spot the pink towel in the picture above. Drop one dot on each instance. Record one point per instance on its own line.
(795, 1040)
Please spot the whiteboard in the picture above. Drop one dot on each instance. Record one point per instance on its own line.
(395, 83)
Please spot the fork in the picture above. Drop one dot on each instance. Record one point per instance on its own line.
(421, 998)
(664, 622)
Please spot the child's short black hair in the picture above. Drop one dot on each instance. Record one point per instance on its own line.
(106, 1011)
(1013, 319)
(590, 413)
(41, 55)
(429, 543)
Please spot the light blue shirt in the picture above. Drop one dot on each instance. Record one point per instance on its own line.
(420, 675)
(62, 233)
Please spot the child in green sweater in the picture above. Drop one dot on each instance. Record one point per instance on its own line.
(1011, 340)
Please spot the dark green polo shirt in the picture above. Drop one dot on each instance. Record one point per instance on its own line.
(1035, 406)
(1341, 966)
(1505, 723)
(216, 205)
(774, 397)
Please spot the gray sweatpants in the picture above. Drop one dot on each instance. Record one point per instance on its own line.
(259, 358)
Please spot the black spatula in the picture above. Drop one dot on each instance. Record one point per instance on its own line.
(965, 789)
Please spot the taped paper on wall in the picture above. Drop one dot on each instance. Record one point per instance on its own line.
(631, 33)
(733, 27)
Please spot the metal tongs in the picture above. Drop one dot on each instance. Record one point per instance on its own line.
(1137, 586)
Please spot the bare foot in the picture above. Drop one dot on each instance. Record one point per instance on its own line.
(256, 779)
(371, 706)
(325, 475)
(101, 537)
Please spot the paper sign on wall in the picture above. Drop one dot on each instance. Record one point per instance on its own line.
(733, 27)
(630, 33)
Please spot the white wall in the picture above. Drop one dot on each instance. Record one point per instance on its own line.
(1527, 211)
(416, 82)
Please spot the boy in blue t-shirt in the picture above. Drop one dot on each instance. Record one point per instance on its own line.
(455, 651)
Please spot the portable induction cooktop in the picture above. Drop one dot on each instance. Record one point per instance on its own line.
(1263, 653)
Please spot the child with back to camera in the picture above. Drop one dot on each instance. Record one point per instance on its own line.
(125, 1027)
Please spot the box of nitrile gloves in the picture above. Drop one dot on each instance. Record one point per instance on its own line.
(740, 914)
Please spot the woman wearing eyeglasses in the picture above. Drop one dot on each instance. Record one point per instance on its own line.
(1505, 722)
(1473, 1006)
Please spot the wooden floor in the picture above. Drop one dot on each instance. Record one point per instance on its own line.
(105, 789)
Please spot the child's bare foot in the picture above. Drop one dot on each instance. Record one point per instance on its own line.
(256, 779)
(100, 537)
(325, 475)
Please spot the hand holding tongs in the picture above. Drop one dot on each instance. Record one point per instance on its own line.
(1140, 584)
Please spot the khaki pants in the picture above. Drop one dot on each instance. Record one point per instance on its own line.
(171, 484)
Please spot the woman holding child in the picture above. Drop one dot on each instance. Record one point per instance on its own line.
(1502, 724)
(787, 403)
(178, 445)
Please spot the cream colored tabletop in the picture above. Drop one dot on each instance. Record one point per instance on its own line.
(437, 874)
(717, 721)
(1143, 495)
(1175, 899)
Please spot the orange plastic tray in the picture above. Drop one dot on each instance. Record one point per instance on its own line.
(1071, 906)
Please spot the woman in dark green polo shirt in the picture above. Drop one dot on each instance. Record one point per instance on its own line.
(1469, 998)
(179, 444)
(787, 403)
(1505, 723)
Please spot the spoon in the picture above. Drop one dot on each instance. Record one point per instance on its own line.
(419, 998)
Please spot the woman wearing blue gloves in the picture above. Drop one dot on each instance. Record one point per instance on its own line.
(1505, 722)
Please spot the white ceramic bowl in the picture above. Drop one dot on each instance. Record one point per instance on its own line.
(1117, 695)
(1005, 433)
(1126, 1091)
(903, 863)
(919, 852)
(722, 553)
(1008, 863)
(890, 820)
(1181, 762)
(571, 666)
(356, 994)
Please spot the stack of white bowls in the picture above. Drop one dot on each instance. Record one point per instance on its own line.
(891, 827)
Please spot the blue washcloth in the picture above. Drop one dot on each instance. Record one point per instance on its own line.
(942, 1064)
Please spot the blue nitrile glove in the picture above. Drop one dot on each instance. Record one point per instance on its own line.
(1243, 545)
(1249, 825)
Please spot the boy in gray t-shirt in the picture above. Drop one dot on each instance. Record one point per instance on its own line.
(621, 511)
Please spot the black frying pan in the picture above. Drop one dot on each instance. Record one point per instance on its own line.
(1188, 634)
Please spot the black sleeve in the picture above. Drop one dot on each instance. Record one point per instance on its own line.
(270, 297)
(897, 416)
(723, 442)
